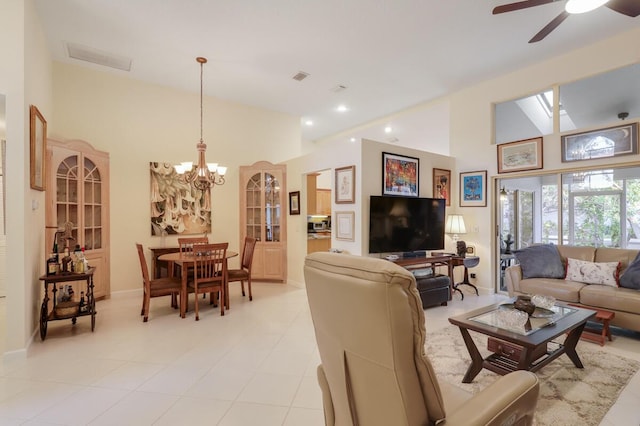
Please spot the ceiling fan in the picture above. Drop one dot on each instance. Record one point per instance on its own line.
(630, 8)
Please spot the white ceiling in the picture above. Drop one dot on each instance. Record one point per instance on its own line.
(390, 54)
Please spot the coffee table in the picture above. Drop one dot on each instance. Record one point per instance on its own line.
(566, 319)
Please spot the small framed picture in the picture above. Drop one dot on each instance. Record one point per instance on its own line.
(520, 155)
(471, 250)
(473, 189)
(345, 226)
(400, 175)
(294, 202)
(442, 184)
(38, 139)
(345, 185)
(609, 142)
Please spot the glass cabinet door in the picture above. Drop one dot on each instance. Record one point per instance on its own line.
(67, 183)
(272, 208)
(92, 206)
(253, 193)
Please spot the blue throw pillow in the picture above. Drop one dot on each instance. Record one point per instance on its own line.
(631, 276)
(540, 261)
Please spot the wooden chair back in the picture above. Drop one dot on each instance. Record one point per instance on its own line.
(247, 253)
(143, 266)
(187, 243)
(211, 265)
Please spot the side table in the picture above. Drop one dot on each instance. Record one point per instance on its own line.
(467, 262)
(597, 336)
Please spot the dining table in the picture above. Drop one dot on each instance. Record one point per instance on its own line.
(186, 260)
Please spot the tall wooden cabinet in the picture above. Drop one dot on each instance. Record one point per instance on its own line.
(77, 191)
(262, 216)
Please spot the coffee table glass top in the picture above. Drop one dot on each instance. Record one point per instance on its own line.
(501, 318)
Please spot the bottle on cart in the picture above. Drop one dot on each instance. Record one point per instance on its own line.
(60, 295)
(52, 265)
(84, 260)
(82, 306)
(70, 292)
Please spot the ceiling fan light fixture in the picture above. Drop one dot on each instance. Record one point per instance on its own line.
(582, 6)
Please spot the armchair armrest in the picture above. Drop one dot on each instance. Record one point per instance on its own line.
(512, 277)
(510, 400)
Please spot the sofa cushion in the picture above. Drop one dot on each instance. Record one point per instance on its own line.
(605, 273)
(630, 278)
(540, 261)
(610, 254)
(567, 291)
(610, 298)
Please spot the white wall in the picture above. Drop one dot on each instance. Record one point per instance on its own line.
(137, 123)
(25, 78)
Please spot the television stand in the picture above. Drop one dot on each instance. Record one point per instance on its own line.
(429, 262)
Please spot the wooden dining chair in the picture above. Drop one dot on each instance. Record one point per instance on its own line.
(156, 287)
(186, 245)
(244, 273)
(210, 272)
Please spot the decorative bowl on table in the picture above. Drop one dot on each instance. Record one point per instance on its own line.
(542, 301)
(524, 304)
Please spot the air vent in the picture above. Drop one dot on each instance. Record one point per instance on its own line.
(300, 76)
(89, 54)
(393, 140)
(339, 88)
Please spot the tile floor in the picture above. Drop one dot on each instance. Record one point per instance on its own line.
(254, 366)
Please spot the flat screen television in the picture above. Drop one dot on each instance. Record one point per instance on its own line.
(405, 224)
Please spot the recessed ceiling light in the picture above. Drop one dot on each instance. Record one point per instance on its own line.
(388, 129)
(352, 139)
(308, 122)
(342, 108)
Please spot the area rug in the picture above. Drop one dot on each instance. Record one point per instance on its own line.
(568, 395)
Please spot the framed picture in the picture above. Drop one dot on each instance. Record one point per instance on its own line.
(345, 185)
(520, 155)
(442, 184)
(294, 202)
(38, 138)
(400, 175)
(471, 250)
(473, 189)
(609, 142)
(344, 222)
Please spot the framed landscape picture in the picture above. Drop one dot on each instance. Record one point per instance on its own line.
(473, 189)
(400, 175)
(520, 155)
(609, 142)
(294, 203)
(442, 184)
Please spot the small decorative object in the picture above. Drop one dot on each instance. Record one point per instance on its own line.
(609, 142)
(542, 301)
(345, 226)
(67, 308)
(294, 203)
(508, 242)
(461, 248)
(512, 318)
(38, 139)
(520, 155)
(442, 184)
(473, 189)
(400, 175)
(524, 304)
(345, 185)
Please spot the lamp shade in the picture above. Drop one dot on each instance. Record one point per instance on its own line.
(455, 224)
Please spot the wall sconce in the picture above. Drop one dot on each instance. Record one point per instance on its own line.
(503, 194)
(455, 226)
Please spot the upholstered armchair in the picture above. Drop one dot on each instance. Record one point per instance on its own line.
(370, 330)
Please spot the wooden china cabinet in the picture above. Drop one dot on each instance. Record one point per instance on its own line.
(262, 216)
(77, 191)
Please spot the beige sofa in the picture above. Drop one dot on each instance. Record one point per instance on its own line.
(370, 329)
(623, 301)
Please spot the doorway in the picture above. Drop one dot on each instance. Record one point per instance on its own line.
(319, 209)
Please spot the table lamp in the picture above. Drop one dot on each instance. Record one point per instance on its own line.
(455, 226)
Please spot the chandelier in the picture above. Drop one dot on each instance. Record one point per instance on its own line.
(202, 175)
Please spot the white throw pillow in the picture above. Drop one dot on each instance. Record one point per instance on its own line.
(605, 273)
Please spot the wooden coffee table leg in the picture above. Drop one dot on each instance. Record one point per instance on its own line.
(525, 359)
(570, 345)
(476, 359)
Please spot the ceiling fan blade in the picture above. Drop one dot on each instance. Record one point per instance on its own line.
(626, 7)
(550, 27)
(519, 5)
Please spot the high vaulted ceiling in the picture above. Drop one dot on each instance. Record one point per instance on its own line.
(389, 54)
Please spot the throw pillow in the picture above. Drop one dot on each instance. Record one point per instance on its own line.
(540, 261)
(605, 273)
(631, 276)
